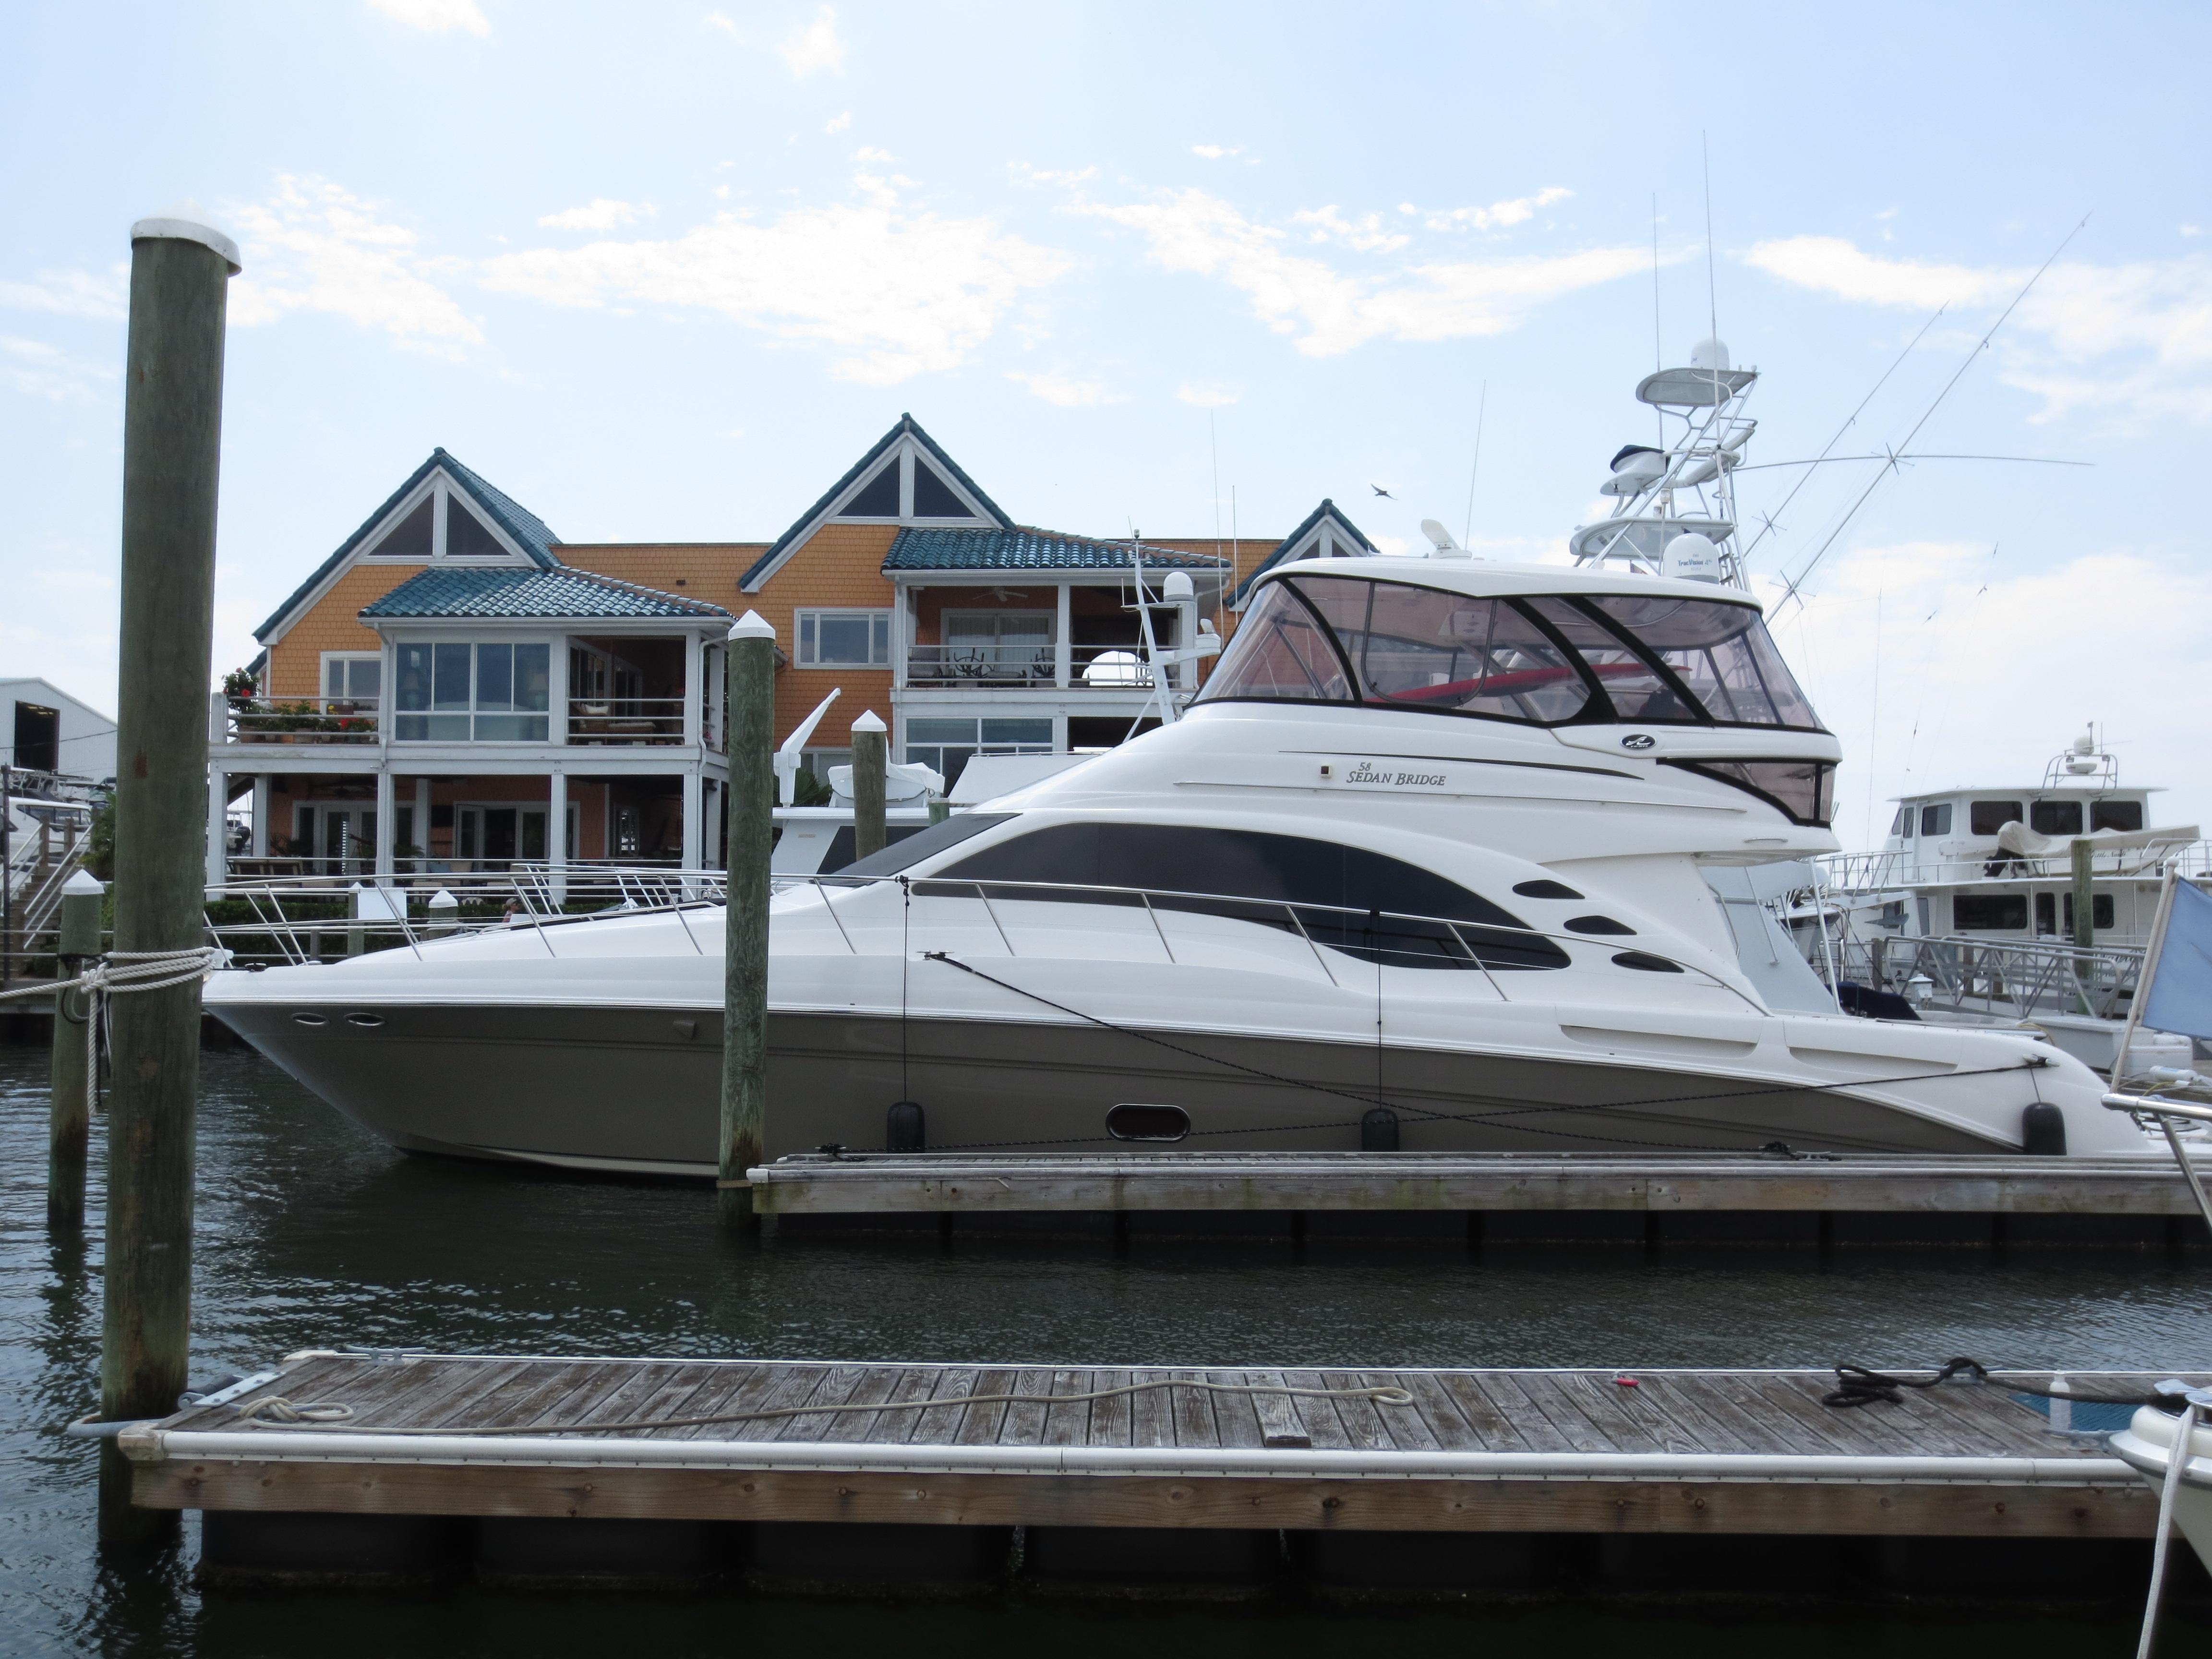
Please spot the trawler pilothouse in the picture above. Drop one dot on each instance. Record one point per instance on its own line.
(1437, 859)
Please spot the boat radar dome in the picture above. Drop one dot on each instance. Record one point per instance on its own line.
(1712, 356)
(2083, 759)
(1694, 558)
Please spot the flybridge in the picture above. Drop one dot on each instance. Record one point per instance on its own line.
(1677, 513)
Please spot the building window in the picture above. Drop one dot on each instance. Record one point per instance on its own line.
(460, 692)
(1935, 820)
(2055, 818)
(352, 677)
(933, 497)
(1986, 818)
(947, 745)
(844, 639)
(878, 498)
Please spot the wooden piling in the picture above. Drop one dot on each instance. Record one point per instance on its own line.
(871, 777)
(69, 1117)
(752, 727)
(2085, 923)
(172, 439)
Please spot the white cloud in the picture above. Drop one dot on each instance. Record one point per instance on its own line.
(1367, 236)
(902, 294)
(1498, 215)
(1209, 394)
(73, 293)
(311, 246)
(1216, 152)
(1332, 311)
(1961, 634)
(1067, 393)
(435, 16)
(816, 46)
(600, 214)
(2153, 315)
(870, 153)
(2191, 230)
(715, 20)
(39, 370)
(838, 122)
(1024, 174)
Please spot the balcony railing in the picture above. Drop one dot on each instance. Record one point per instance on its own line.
(1860, 873)
(1000, 667)
(625, 719)
(302, 719)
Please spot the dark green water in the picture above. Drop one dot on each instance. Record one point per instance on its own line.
(311, 1234)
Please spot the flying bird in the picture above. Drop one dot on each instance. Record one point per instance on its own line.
(1379, 490)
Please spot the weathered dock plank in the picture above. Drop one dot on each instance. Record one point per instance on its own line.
(817, 1184)
(1478, 1451)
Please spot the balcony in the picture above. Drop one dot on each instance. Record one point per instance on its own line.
(300, 719)
(625, 721)
(1026, 667)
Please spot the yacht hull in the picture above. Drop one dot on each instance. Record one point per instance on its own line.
(636, 1088)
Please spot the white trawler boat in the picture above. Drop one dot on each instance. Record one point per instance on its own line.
(1447, 852)
(1967, 911)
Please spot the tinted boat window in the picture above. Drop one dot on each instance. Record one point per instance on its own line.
(1429, 649)
(1335, 893)
(1721, 652)
(1280, 653)
(1986, 818)
(1995, 913)
(2116, 814)
(2055, 818)
(1637, 692)
(1935, 820)
(905, 854)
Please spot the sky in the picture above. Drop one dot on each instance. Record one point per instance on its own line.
(662, 271)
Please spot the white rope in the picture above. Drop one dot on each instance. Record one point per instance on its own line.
(116, 973)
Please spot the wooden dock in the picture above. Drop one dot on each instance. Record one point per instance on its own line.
(2149, 1191)
(912, 1447)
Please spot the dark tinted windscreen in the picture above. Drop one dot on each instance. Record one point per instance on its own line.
(905, 854)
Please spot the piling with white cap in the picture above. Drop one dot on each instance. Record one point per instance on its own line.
(750, 723)
(180, 270)
(871, 781)
(69, 1117)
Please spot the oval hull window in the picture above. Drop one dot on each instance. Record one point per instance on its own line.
(309, 1019)
(367, 1022)
(1647, 963)
(1130, 1122)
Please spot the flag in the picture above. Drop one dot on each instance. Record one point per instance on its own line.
(2180, 997)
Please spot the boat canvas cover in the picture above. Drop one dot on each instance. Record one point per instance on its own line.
(2180, 999)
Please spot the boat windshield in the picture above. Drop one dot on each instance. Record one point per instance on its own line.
(1545, 660)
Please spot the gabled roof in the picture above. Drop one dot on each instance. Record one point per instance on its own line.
(765, 566)
(481, 590)
(1026, 549)
(529, 532)
(1307, 525)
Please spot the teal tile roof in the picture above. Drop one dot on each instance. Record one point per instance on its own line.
(1025, 548)
(531, 533)
(512, 593)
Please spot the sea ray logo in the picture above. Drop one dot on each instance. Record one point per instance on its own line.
(1639, 740)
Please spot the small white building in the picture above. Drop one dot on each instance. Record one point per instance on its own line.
(43, 729)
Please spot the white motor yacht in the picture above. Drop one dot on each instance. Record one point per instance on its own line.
(1437, 860)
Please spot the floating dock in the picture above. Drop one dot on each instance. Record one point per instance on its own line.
(894, 1475)
(1810, 1198)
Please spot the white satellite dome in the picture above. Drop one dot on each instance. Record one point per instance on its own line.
(1711, 355)
(1693, 557)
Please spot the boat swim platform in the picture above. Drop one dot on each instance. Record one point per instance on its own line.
(1812, 1198)
(899, 1476)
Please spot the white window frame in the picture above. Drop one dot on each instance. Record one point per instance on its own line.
(441, 493)
(806, 628)
(323, 676)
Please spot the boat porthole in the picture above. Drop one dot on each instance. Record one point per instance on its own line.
(309, 1019)
(1649, 964)
(1597, 925)
(1133, 1123)
(1545, 890)
(367, 1022)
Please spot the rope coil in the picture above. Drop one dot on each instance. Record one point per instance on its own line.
(116, 973)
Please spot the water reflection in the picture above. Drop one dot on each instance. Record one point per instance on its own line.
(311, 1232)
